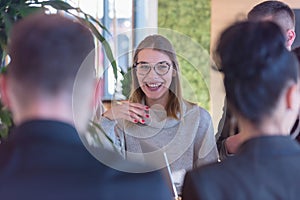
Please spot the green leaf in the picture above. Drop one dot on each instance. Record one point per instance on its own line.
(92, 130)
(106, 48)
(104, 43)
(13, 10)
(3, 69)
(7, 21)
(59, 5)
(102, 131)
(94, 133)
(98, 23)
(5, 117)
(25, 10)
(3, 39)
(6, 121)
(3, 131)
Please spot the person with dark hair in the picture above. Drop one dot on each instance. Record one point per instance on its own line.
(228, 139)
(278, 12)
(49, 89)
(157, 114)
(261, 80)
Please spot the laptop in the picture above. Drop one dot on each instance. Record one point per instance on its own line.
(160, 161)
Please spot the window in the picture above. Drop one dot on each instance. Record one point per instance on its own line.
(121, 18)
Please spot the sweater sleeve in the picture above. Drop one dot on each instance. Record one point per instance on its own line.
(205, 149)
(114, 132)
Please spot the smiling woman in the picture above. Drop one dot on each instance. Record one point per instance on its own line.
(156, 115)
(154, 83)
(157, 49)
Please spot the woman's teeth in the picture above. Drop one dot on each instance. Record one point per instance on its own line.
(153, 85)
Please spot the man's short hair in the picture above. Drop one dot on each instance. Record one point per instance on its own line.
(277, 11)
(47, 51)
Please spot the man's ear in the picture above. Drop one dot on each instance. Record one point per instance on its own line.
(291, 35)
(4, 91)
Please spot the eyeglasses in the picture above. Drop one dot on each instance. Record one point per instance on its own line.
(160, 68)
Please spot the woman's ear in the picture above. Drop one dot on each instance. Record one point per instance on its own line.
(174, 72)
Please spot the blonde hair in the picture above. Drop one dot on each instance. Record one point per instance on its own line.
(163, 45)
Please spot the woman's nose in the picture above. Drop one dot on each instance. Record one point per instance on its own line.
(152, 72)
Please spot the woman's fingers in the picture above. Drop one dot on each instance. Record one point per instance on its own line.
(138, 112)
(142, 111)
(136, 118)
(139, 106)
(134, 112)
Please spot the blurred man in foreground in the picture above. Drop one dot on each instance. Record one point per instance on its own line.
(48, 81)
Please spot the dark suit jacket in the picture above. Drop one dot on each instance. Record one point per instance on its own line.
(228, 126)
(47, 160)
(266, 168)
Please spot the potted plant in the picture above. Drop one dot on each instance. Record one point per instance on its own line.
(14, 10)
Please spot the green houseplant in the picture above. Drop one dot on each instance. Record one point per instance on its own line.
(14, 10)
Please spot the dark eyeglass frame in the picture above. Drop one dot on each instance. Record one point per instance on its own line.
(135, 66)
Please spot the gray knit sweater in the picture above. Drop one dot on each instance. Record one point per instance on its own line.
(188, 142)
